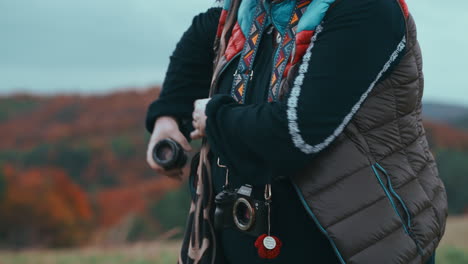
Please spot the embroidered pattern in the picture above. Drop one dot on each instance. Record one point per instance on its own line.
(284, 51)
(296, 91)
(244, 70)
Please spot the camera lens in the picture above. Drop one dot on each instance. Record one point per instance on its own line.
(244, 214)
(169, 154)
(164, 152)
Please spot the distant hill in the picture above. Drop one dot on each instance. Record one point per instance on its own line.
(443, 136)
(454, 115)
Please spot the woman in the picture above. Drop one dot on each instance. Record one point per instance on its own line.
(319, 102)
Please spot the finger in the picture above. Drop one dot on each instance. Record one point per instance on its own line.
(195, 115)
(197, 103)
(158, 169)
(196, 134)
(175, 173)
(202, 132)
(155, 166)
(201, 126)
(161, 170)
(150, 160)
(193, 134)
(180, 138)
(195, 124)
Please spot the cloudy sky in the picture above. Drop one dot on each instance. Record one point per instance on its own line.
(50, 46)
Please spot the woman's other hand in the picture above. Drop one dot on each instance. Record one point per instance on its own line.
(199, 118)
(166, 127)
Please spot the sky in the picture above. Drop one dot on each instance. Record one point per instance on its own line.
(97, 46)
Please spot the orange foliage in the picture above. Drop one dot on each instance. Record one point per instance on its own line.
(116, 203)
(446, 136)
(109, 131)
(46, 203)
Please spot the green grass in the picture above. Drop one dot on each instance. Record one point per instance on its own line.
(451, 255)
(78, 258)
(452, 250)
(445, 255)
(152, 253)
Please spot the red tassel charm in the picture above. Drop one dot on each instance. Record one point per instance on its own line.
(268, 247)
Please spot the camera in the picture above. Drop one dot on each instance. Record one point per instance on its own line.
(169, 154)
(238, 209)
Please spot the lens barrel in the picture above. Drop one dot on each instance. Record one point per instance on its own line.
(169, 154)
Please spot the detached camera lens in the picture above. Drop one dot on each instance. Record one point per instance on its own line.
(169, 154)
(164, 152)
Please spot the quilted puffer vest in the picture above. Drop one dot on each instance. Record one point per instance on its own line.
(373, 189)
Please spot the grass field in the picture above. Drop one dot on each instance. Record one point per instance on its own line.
(141, 253)
(453, 250)
(454, 246)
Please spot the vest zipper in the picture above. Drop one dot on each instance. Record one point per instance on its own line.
(391, 193)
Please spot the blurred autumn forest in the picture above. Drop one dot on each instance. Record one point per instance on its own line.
(73, 170)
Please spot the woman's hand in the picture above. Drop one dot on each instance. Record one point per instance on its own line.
(166, 127)
(199, 118)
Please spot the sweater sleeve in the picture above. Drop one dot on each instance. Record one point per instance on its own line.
(189, 73)
(357, 39)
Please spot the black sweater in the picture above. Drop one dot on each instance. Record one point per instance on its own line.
(253, 139)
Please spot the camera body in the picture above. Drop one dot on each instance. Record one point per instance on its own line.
(238, 209)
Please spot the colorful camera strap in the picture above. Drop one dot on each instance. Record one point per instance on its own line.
(284, 50)
(244, 72)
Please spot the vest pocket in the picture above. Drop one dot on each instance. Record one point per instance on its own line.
(395, 199)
